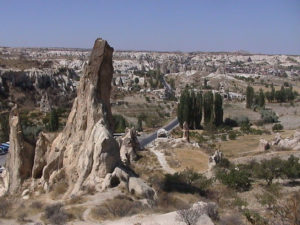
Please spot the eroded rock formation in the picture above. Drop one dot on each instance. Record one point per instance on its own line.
(129, 146)
(20, 157)
(42, 148)
(279, 143)
(86, 150)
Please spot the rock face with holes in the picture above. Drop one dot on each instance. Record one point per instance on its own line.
(21, 154)
(129, 146)
(86, 150)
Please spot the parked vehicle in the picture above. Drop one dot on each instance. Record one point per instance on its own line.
(4, 147)
(2, 152)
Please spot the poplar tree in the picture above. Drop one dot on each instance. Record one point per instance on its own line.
(198, 109)
(218, 107)
(54, 121)
(249, 97)
(208, 106)
(261, 98)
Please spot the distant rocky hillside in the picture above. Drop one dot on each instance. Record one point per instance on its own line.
(49, 76)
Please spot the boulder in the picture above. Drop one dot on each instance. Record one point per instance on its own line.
(292, 143)
(276, 140)
(129, 146)
(25, 192)
(20, 158)
(86, 149)
(162, 133)
(118, 177)
(216, 157)
(139, 188)
(263, 145)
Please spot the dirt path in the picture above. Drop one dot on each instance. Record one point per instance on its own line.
(162, 160)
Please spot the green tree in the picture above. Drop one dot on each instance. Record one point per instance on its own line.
(291, 168)
(198, 109)
(183, 107)
(270, 169)
(54, 121)
(272, 95)
(249, 97)
(172, 83)
(289, 94)
(136, 80)
(140, 125)
(208, 99)
(120, 123)
(4, 127)
(192, 109)
(261, 99)
(218, 109)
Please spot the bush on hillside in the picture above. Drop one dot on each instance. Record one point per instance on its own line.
(277, 127)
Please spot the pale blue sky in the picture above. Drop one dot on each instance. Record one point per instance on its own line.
(258, 26)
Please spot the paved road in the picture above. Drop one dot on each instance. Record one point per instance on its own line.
(151, 137)
(2, 159)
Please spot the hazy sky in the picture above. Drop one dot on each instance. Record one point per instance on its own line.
(258, 26)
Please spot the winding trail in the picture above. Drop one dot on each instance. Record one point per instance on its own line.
(162, 160)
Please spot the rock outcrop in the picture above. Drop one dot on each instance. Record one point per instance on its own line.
(129, 146)
(139, 188)
(279, 143)
(21, 154)
(42, 148)
(86, 150)
(292, 143)
(215, 159)
(263, 145)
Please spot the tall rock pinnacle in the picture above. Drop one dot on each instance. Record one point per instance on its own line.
(85, 150)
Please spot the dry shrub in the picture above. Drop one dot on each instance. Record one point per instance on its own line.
(76, 212)
(22, 217)
(232, 219)
(36, 205)
(5, 206)
(59, 189)
(118, 207)
(167, 202)
(289, 211)
(91, 190)
(189, 216)
(212, 211)
(75, 200)
(55, 214)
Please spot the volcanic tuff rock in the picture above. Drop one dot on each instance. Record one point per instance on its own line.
(129, 146)
(42, 148)
(20, 157)
(86, 150)
(292, 143)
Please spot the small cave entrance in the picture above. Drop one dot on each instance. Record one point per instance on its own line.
(115, 181)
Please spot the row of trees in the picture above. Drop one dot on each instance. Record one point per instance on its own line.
(258, 99)
(192, 106)
(254, 99)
